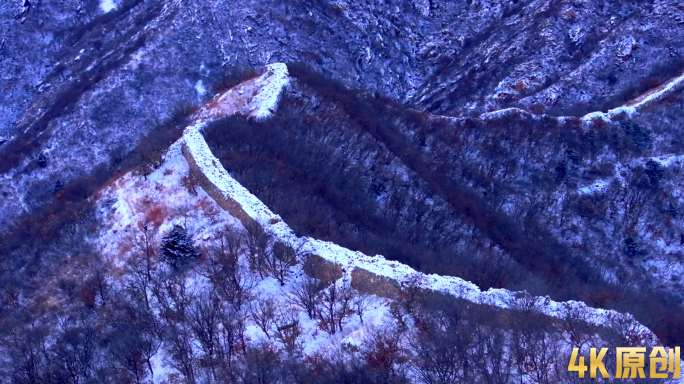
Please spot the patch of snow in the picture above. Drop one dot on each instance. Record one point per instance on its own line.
(589, 117)
(136, 58)
(628, 110)
(503, 112)
(161, 369)
(665, 161)
(211, 167)
(267, 98)
(596, 186)
(158, 202)
(640, 103)
(256, 97)
(199, 87)
(108, 5)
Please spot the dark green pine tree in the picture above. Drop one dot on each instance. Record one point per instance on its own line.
(177, 248)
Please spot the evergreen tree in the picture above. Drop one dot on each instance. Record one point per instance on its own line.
(177, 248)
(639, 135)
(655, 172)
(42, 160)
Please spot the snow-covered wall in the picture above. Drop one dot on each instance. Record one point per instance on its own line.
(268, 87)
(378, 265)
(255, 97)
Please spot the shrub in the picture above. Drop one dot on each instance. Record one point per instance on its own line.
(672, 210)
(632, 247)
(638, 135)
(561, 171)
(42, 160)
(655, 172)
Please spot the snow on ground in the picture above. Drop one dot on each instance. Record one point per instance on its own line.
(378, 265)
(199, 87)
(267, 99)
(217, 175)
(596, 186)
(659, 93)
(131, 202)
(640, 103)
(256, 97)
(161, 369)
(635, 106)
(160, 200)
(108, 5)
(505, 112)
(313, 339)
(665, 161)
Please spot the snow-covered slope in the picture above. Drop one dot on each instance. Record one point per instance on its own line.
(641, 103)
(163, 199)
(256, 97)
(378, 265)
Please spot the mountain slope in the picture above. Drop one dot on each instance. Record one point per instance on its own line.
(131, 303)
(452, 196)
(373, 275)
(95, 65)
(177, 205)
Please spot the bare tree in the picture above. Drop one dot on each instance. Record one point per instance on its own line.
(232, 282)
(205, 320)
(384, 357)
(444, 341)
(232, 337)
(173, 297)
(279, 261)
(263, 312)
(256, 241)
(141, 266)
(362, 302)
(347, 296)
(219, 329)
(410, 289)
(335, 305)
(191, 181)
(436, 362)
(288, 330)
(102, 282)
(178, 344)
(534, 342)
(173, 300)
(535, 354)
(76, 347)
(261, 364)
(26, 346)
(306, 295)
(362, 299)
(146, 246)
(150, 161)
(575, 324)
(492, 356)
(136, 337)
